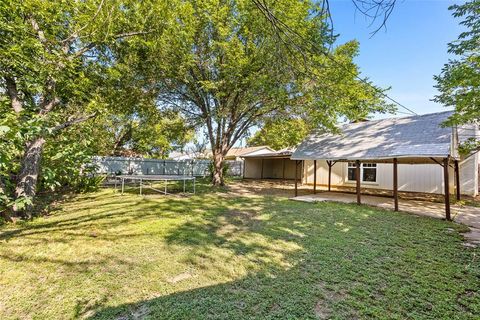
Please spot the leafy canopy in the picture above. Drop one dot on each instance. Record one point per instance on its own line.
(459, 81)
(280, 134)
(232, 70)
(65, 62)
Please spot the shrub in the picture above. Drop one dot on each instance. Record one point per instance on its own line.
(225, 169)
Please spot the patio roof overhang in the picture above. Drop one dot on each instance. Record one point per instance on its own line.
(409, 140)
(404, 159)
(273, 155)
(267, 157)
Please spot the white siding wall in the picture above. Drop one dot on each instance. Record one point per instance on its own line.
(415, 178)
(468, 180)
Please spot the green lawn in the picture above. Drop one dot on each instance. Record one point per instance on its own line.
(216, 255)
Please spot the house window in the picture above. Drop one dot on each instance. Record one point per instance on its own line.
(368, 172)
(351, 171)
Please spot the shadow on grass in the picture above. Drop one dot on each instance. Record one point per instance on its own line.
(298, 293)
(110, 208)
(347, 263)
(301, 260)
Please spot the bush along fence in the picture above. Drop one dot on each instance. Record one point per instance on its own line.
(197, 168)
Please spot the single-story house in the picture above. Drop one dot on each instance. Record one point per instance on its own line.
(190, 155)
(237, 153)
(413, 153)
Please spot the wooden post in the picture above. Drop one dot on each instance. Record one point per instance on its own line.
(261, 175)
(296, 177)
(357, 176)
(244, 165)
(329, 163)
(457, 180)
(395, 183)
(447, 189)
(283, 169)
(314, 176)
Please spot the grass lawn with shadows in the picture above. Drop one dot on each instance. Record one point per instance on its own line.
(217, 255)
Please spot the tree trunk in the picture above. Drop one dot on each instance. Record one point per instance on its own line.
(217, 179)
(27, 178)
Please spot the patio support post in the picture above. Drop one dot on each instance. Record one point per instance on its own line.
(262, 170)
(457, 180)
(330, 164)
(447, 188)
(283, 169)
(395, 183)
(314, 176)
(296, 178)
(357, 176)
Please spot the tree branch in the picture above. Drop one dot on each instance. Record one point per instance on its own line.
(92, 45)
(13, 95)
(130, 34)
(48, 105)
(72, 122)
(36, 28)
(82, 50)
(75, 34)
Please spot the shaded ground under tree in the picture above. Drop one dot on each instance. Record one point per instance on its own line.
(217, 255)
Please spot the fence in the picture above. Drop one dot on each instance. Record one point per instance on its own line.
(124, 165)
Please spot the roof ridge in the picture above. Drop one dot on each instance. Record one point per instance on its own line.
(396, 118)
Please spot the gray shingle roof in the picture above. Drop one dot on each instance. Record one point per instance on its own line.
(408, 137)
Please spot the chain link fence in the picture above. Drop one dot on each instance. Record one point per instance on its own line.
(197, 168)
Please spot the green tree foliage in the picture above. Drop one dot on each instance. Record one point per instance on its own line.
(157, 137)
(459, 81)
(63, 63)
(280, 134)
(233, 68)
(351, 100)
(154, 134)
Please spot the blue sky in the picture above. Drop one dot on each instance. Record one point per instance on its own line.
(406, 55)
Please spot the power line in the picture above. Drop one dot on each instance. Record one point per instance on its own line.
(270, 16)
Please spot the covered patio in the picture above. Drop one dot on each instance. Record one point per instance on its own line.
(410, 140)
(271, 165)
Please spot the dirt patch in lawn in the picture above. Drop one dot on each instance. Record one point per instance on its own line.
(180, 277)
(322, 307)
(250, 187)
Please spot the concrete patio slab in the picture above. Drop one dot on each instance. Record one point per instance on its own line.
(466, 215)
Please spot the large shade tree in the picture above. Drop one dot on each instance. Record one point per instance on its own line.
(459, 81)
(280, 133)
(56, 57)
(233, 67)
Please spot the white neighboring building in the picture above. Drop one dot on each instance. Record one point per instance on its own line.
(238, 153)
(235, 153)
